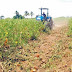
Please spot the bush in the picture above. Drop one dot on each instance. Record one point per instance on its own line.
(19, 17)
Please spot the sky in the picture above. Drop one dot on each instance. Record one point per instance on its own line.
(57, 8)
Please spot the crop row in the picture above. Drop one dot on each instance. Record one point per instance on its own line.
(17, 32)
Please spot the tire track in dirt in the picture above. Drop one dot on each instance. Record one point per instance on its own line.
(48, 45)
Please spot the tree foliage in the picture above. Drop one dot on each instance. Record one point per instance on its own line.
(26, 13)
(31, 13)
(2, 17)
(18, 16)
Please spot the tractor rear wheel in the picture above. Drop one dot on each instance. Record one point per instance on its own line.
(49, 24)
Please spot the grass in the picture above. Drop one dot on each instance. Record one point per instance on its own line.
(61, 18)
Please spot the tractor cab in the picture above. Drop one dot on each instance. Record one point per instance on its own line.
(47, 20)
(41, 17)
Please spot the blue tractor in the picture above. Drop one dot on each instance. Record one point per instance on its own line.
(44, 19)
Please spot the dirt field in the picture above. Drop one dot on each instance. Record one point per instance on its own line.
(50, 53)
(53, 46)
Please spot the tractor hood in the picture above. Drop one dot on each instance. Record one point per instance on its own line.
(40, 18)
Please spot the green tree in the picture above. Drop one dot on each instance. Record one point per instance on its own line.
(18, 16)
(31, 13)
(21, 17)
(2, 17)
(14, 17)
(26, 13)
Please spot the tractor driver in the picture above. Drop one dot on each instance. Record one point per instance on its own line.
(44, 15)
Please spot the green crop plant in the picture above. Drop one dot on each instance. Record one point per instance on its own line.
(19, 31)
(15, 33)
(70, 28)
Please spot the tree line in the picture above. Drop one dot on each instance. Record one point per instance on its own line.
(19, 16)
(2, 17)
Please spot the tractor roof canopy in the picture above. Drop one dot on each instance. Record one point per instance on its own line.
(43, 8)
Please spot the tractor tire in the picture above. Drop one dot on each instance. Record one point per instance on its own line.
(49, 24)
